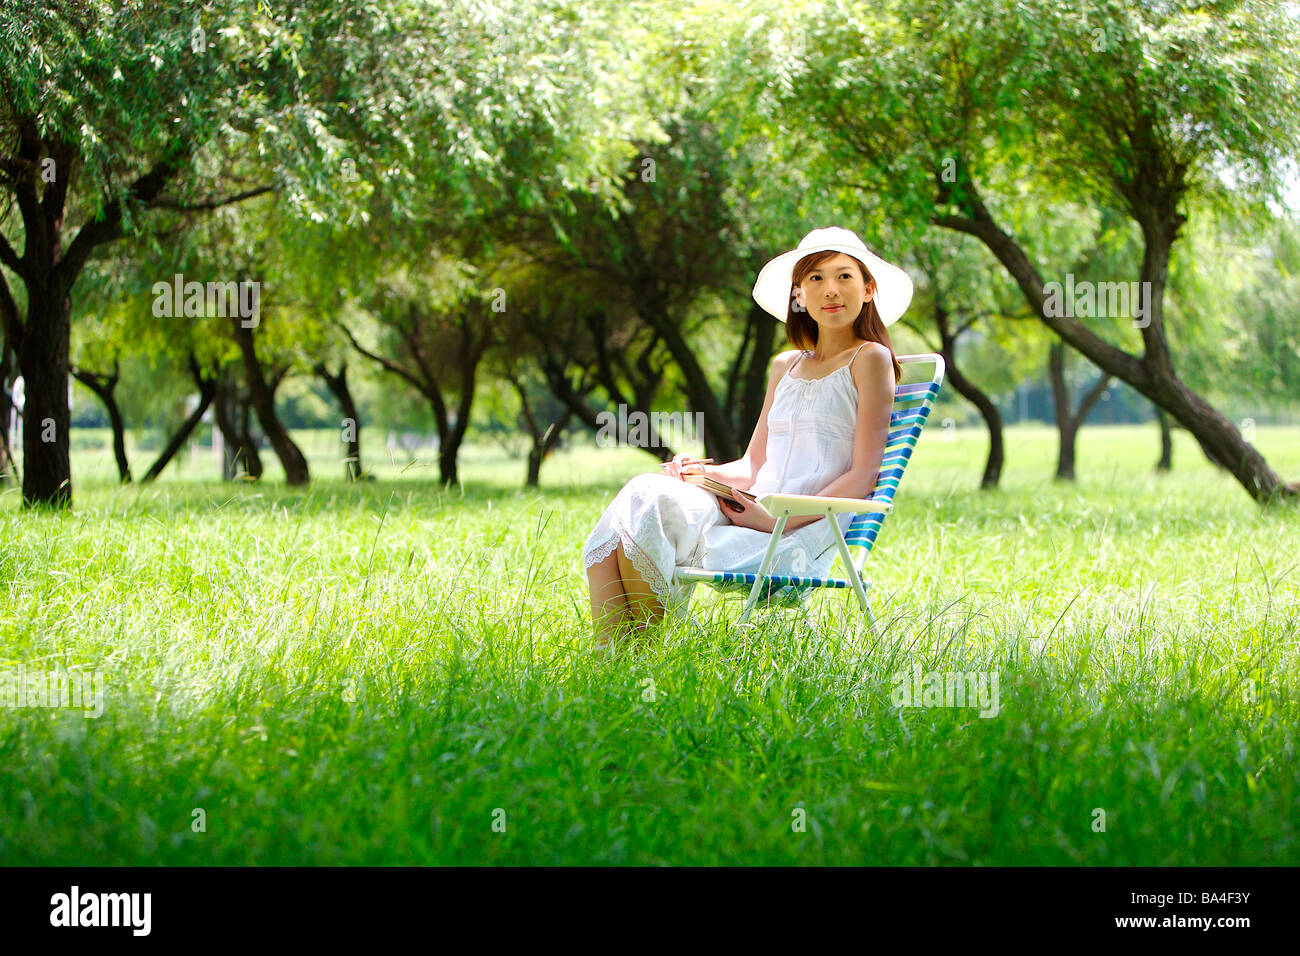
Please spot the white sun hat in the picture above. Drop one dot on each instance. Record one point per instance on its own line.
(775, 286)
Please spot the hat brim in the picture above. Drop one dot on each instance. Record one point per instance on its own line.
(776, 281)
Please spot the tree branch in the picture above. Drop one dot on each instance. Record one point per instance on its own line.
(1027, 276)
(10, 258)
(166, 202)
(1090, 398)
(22, 172)
(109, 226)
(386, 363)
(56, 192)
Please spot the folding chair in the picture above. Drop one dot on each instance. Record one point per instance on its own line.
(912, 404)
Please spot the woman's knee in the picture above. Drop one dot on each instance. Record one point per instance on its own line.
(647, 481)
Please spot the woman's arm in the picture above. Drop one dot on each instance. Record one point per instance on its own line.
(874, 378)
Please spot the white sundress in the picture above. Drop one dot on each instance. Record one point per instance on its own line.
(666, 523)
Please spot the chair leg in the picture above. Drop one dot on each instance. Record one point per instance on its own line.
(872, 623)
(855, 577)
(760, 582)
(744, 614)
(866, 610)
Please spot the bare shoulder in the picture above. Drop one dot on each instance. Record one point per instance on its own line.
(873, 363)
(782, 362)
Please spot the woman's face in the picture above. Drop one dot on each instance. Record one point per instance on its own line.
(834, 293)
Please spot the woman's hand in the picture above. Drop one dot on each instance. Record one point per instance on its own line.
(684, 464)
(747, 516)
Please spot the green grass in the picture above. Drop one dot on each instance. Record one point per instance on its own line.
(365, 674)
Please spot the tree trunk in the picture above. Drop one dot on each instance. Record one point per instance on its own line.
(576, 398)
(1061, 406)
(49, 269)
(451, 436)
(1067, 431)
(43, 360)
(751, 382)
(1166, 461)
(1068, 419)
(8, 466)
(719, 437)
(642, 378)
(223, 408)
(1151, 375)
(263, 400)
(449, 442)
(422, 376)
(541, 447)
(448, 450)
(351, 424)
(207, 389)
(969, 391)
(992, 421)
(543, 440)
(248, 442)
(230, 413)
(103, 386)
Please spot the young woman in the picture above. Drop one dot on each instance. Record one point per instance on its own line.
(821, 431)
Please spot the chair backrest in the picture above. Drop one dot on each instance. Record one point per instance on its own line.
(912, 404)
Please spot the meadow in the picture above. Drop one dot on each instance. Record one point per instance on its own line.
(391, 673)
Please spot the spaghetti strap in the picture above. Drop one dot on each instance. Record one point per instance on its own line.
(849, 366)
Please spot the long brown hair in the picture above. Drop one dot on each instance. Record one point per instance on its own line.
(801, 329)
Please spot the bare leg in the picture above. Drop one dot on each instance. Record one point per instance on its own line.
(609, 610)
(642, 602)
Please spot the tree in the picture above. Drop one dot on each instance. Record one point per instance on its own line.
(955, 104)
(261, 390)
(205, 380)
(104, 385)
(113, 111)
(108, 107)
(436, 328)
(120, 346)
(1068, 416)
(677, 258)
(963, 300)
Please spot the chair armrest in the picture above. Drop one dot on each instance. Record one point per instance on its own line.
(794, 505)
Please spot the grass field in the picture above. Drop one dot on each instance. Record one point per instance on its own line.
(390, 673)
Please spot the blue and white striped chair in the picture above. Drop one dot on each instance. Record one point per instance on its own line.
(912, 404)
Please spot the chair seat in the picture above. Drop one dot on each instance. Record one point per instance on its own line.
(782, 589)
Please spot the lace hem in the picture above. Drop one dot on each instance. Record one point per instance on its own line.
(601, 551)
(644, 566)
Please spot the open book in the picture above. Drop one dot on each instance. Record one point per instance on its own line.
(730, 495)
